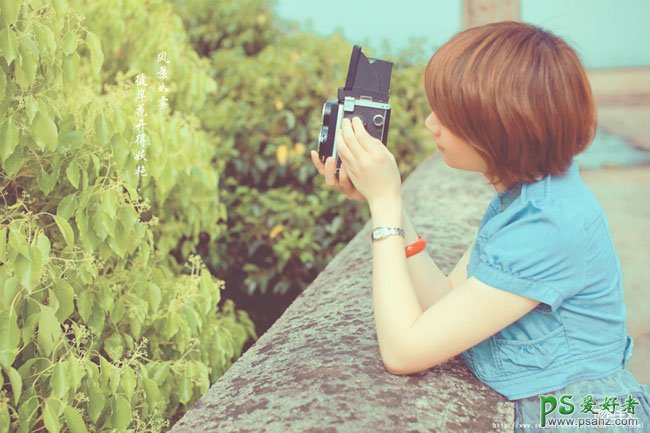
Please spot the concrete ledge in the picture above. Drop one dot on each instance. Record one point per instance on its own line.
(318, 368)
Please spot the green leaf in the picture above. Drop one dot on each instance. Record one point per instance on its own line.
(71, 140)
(155, 296)
(17, 241)
(8, 45)
(9, 292)
(114, 346)
(128, 381)
(70, 42)
(45, 38)
(61, 7)
(109, 202)
(135, 326)
(5, 420)
(161, 372)
(66, 230)
(3, 86)
(8, 139)
(45, 182)
(85, 305)
(49, 330)
(45, 132)
(96, 401)
(10, 10)
(26, 272)
(70, 67)
(151, 391)
(28, 61)
(127, 216)
(28, 410)
(73, 172)
(96, 53)
(74, 420)
(117, 312)
(76, 372)
(65, 295)
(60, 383)
(3, 243)
(97, 321)
(67, 206)
(44, 246)
(184, 389)
(101, 129)
(16, 384)
(121, 416)
(51, 416)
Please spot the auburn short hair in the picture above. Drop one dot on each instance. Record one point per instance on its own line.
(517, 94)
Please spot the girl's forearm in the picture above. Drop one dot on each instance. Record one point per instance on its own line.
(429, 282)
(395, 304)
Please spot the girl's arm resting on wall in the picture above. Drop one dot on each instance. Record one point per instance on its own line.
(427, 278)
(458, 275)
(411, 338)
(429, 282)
(466, 316)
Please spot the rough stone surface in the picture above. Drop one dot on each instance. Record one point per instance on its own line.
(318, 368)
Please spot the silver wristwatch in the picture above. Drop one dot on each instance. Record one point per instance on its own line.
(382, 232)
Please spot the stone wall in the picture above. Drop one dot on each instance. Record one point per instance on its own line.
(318, 368)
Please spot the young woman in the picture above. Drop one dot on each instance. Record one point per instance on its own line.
(535, 305)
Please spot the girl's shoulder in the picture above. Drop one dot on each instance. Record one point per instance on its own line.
(565, 201)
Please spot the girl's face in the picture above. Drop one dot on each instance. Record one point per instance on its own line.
(457, 152)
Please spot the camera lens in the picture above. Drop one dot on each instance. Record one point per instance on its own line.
(327, 110)
(323, 135)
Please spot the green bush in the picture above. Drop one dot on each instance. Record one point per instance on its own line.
(100, 327)
(284, 226)
(245, 25)
(109, 317)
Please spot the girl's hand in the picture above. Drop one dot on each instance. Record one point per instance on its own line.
(343, 184)
(369, 164)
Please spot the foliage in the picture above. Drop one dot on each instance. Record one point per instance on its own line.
(245, 25)
(284, 225)
(99, 329)
(110, 317)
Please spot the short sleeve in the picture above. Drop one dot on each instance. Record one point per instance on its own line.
(539, 254)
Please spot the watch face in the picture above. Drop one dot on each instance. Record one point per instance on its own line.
(379, 232)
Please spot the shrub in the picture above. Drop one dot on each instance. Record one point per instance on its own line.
(99, 328)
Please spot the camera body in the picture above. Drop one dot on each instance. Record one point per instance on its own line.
(365, 95)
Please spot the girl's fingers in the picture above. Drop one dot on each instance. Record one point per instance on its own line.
(317, 162)
(341, 145)
(344, 179)
(355, 151)
(360, 132)
(330, 167)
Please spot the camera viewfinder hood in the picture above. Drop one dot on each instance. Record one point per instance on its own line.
(367, 77)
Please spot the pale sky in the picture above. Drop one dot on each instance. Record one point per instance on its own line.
(605, 33)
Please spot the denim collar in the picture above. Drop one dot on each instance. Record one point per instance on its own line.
(537, 190)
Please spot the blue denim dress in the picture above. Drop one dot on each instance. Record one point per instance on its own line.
(621, 384)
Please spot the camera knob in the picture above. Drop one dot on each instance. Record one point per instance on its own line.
(378, 120)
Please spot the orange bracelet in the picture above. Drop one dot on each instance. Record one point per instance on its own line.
(415, 247)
